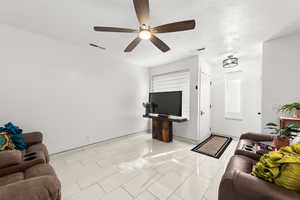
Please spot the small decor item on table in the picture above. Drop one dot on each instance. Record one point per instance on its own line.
(6, 142)
(283, 134)
(293, 108)
(148, 107)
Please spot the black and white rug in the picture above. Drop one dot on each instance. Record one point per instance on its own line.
(213, 146)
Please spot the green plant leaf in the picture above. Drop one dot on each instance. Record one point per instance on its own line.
(293, 126)
(271, 124)
(289, 107)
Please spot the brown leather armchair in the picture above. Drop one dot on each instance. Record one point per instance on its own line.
(27, 175)
(35, 147)
(238, 184)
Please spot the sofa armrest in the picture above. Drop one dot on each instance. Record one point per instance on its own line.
(10, 158)
(24, 164)
(39, 188)
(250, 187)
(257, 137)
(33, 138)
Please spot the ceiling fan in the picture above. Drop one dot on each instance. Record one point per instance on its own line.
(145, 32)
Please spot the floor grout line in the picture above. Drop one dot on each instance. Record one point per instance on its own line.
(127, 191)
(152, 194)
(179, 187)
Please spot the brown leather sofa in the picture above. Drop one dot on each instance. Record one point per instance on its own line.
(27, 175)
(238, 184)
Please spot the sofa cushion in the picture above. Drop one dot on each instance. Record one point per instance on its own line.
(11, 178)
(38, 188)
(38, 182)
(39, 170)
(9, 158)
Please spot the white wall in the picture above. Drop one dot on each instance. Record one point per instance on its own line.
(250, 64)
(187, 129)
(281, 75)
(74, 95)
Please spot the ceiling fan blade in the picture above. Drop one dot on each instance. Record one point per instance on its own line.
(133, 44)
(159, 44)
(114, 29)
(142, 11)
(174, 27)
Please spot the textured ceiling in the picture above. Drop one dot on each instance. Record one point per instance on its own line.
(223, 26)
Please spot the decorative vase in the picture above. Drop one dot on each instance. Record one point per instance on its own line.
(296, 114)
(278, 142)
(147, 110)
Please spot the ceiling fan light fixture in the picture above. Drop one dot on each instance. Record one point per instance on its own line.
(230, 62)
(145, 34)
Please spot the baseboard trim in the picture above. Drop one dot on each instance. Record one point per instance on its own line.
(187, 140)
(99, 142)
(225, 135)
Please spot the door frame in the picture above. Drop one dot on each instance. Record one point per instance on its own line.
(201, 73)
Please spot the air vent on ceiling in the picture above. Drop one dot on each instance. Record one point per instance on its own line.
(94, 45)
(201, 49)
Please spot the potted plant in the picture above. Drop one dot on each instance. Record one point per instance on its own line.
(293, 108)
(147, 107)
(283, 134)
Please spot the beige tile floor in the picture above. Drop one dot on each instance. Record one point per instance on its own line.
(137, 167)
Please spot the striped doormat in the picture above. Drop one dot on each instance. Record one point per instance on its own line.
(213, 146)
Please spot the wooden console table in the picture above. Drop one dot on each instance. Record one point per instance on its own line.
(162, 127)
(284, 120)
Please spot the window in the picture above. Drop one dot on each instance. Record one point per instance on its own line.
(233, 84)
(174, 81)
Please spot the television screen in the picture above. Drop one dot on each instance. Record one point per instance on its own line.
(166, 103)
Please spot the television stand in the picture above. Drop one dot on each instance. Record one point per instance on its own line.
(163, 115)
(162, 127)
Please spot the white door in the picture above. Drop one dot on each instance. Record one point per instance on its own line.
(254, 106)
(205, 102)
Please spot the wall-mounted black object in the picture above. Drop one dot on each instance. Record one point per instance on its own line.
(94, 45)
(201, 49)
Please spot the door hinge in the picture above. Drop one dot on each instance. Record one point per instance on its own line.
(210, 129)
(210, 83)
(210, 106)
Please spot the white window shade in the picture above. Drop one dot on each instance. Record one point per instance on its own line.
(175, 81)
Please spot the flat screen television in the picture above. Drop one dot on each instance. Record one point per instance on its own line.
(166, 103)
